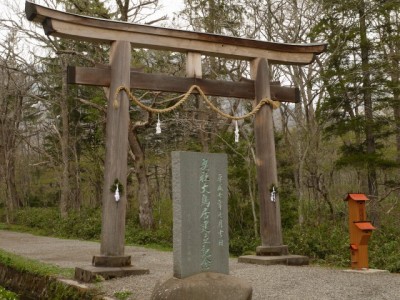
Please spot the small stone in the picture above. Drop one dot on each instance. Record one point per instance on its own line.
(74, 283)
(203, 286)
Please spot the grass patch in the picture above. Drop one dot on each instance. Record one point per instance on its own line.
(152, 246)
(7, 295)
(22, 228)
(123, 295)
(23, 264)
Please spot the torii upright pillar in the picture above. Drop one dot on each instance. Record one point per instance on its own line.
(267, 174)
(112, 261)
(271, 250)
(115, 168)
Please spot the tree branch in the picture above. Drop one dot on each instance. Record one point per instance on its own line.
(87, 102)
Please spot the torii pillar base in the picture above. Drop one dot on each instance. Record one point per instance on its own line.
(272, 250)
(108, 267)
(289, 260)
(274, 255)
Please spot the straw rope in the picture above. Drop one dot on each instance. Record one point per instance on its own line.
(273, 104)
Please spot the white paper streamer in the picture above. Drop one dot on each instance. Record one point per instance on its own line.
(236, 132)
(273, 195)
(117, 195)
(158, 127)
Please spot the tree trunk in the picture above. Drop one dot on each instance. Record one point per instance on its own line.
(203, 118)
(369, 124)
(395, 83)
(76, 174)
(9, 131)
(145, 205)
(64, 140)
(252, 188)
(397, 124)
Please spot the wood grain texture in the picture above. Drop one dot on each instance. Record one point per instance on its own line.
(270, 217)
(67, 25)
(165, 83)
(113, 216)
(193, 65)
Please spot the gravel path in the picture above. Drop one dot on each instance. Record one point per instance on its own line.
(269, 282)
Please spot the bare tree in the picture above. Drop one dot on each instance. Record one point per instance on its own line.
(14, 85)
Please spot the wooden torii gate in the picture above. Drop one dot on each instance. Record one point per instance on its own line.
(122, 36)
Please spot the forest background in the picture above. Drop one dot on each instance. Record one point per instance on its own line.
(344, 135)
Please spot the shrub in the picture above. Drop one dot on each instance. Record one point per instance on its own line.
(326, 242)
(161, 236)
(241, 243)
(84, 224)
(384, 247)
(45, 220)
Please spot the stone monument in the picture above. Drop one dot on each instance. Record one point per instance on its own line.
(200, 213)
(201, 241)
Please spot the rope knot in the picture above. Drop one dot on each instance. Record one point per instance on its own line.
(117, 91)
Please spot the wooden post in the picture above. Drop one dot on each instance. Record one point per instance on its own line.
(267, 177)
(113, 218)
(193, 65)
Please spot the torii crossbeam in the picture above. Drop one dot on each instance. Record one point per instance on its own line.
(122, 36)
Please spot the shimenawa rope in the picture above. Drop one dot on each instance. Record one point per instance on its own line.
(274, 104)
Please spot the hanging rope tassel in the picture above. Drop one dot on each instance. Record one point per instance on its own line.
(158, 127)
(236, 132)
(117, 196)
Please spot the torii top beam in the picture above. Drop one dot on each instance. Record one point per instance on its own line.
(61, 24)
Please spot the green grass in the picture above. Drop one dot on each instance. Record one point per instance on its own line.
(123, 295)
(39, 232)
(23, 264)
(152, 246)
(23, 229)
(7, 295)
(4, 226)
(54, 290)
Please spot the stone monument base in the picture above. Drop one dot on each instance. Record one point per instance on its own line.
(203, 286)
(290, 260)
(92, 273)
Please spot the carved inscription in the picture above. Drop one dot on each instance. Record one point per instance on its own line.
(205, 216)
(201, 242)
(220, 191)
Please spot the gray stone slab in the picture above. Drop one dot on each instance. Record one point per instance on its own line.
(290, 260)
(74, 283)
(91, 273)
(200, 212)
(366, 271)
